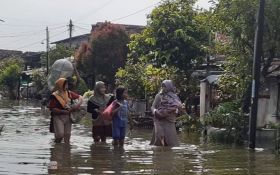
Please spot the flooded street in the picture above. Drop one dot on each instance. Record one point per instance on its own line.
(26, 147)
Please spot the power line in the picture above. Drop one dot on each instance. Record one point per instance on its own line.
(82, 28)
(30, 33)
(17, 36)
(40, 41)
(117, 19)
(93, 11)
(31, 44)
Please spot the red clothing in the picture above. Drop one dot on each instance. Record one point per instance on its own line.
(54, 103)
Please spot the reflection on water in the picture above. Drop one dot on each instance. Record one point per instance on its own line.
(26, 147)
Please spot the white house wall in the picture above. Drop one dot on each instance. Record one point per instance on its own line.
(267, 107)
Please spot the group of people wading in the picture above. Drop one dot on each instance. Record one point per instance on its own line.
(166, 107)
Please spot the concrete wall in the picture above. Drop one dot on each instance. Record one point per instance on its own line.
(204, 99)
(267, 107)
(263, 110)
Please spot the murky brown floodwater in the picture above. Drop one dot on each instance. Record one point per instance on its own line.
(26, 147)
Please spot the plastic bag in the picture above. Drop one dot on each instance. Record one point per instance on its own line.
(108, 113)
(62, 68)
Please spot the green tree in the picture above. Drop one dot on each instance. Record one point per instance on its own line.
(39, 78)
(173, 38)
(143, 79)
(10, 71)
(236, 19)
(57, 52)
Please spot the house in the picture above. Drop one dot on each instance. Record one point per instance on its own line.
(76, 41)
(269, 97)
(208, 74)
(30, 59)
(9, 53)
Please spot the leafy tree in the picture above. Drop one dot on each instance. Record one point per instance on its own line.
(9, 75)
(172, 37)
(105, 54)
(58, 52)
(237, 20)
(39, 78)
(143, 79)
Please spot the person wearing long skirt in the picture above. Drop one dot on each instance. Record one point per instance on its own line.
(96, 105)
(165, 109)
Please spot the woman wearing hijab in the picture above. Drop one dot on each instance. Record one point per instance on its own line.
(165, 108)
(96, 105)
(61, 108)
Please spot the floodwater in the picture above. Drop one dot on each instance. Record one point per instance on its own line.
(26, 147)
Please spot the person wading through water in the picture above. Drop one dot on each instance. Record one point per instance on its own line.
(96, 105)
(166, 108)
(61, 109)
(120, 118)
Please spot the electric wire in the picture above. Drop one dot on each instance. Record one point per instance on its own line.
(40, 41)
(134, 13)
(92, 12)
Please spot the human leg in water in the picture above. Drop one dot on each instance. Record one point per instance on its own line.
(96, 139)
(122, 135)
(67, 131)
(162, 141)
(115, 142)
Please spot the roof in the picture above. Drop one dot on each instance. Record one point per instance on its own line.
(131, 29)
(79, 37)
(9, 53)
(274, 69)
(212, 79)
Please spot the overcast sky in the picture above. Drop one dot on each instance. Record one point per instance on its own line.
(26, 20)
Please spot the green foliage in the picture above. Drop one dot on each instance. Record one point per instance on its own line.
(9, 61)
(172, 37)
(82, 87)
(58, 52)
(131, 77)
(236, 77)
(170, 47)
(140, 78)
(228, 115)
(188, 123)
(237, 20)
(39, 78)
(10, 71)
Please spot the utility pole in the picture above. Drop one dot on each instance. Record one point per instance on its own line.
(70, 31)
(47, 48)
(208, 56)
(256, 74)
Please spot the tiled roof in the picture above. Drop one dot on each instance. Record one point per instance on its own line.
(9, 53)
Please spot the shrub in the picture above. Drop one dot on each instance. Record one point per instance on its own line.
(228, 115)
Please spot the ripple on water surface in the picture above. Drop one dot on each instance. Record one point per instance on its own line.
(26, 147)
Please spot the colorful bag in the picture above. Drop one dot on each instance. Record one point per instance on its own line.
(108, 113)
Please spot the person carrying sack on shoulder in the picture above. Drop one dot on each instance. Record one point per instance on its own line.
(61, 109)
